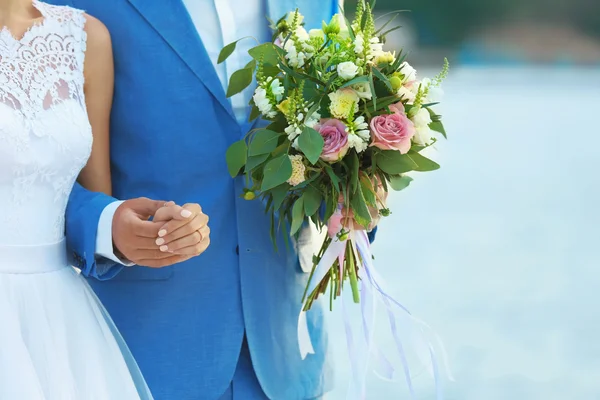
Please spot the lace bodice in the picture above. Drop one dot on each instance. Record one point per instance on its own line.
(45, 135)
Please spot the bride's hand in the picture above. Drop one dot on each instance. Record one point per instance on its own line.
(185, 231)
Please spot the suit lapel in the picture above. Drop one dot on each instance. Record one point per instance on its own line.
(172, 21)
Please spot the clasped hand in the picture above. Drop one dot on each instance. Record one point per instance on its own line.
(175, 233)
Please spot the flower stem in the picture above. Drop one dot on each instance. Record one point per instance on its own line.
(351, 267)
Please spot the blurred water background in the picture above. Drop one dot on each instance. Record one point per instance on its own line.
(498, 251)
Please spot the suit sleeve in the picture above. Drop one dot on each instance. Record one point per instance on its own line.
(82, 218)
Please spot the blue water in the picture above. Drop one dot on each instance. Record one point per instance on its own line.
(499, 251)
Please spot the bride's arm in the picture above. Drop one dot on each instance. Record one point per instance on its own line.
(99, 84)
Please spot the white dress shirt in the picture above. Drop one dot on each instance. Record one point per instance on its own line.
(218, 22)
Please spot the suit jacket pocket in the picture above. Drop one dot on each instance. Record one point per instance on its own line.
(137, 273)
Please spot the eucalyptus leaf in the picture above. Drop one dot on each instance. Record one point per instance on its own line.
(311, 144)
(255, 161)
(264, 141)
(424, 164)
(360, 208)
(393, 162)
(227, 51)
(312, 200)
(279, 194)
(265, 52)
(236, 157)
(360, 79)
(276, 172)
(400, 182)
(239, 81)
(368, 191)
(438, 127)
(297, 215)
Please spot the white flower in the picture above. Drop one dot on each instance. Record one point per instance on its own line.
(293, 132)
(292, 15)
(363, 90)
(277, 89)
(421, 118)
(375, 47)
(361, 128)
(347, 70)
(357, 143)
(316, 33)
(313, 120)
(298, 170)
(303, 36)
(407, 94)
(359, 44)
(409, 73)
(423, 135)
(343, 103)
(263, 103)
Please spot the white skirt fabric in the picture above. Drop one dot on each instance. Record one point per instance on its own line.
(57, 341)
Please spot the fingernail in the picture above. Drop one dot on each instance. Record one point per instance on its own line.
(186, 213)
(160, 241)
(162, 232)
(164, 249)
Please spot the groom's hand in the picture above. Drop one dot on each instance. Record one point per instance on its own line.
(134, 236)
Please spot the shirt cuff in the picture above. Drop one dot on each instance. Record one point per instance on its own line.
(104, 242)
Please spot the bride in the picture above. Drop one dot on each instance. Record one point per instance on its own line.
(56, 340)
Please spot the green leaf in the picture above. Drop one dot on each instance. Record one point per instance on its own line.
(267, 52)
(255, 161)
(353, 166)
(359, 206)
(368, 191)
(236, 157)
(255, 113)
(360, 79)
(239, 81)
(424, 164)
(311, 144)
(276, 172)
(263, 142)
(438, 127)
(297, 215)
(372, 85)
(384, 79)
(400, 182)
(279, 194)
(227, 51)
(312, 200)
(393, 162)
(335, 181)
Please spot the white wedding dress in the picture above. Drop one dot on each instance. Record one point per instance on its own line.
(56, 340)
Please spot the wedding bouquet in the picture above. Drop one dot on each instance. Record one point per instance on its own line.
(348, 120)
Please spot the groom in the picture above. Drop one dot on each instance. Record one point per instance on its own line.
(192, 327)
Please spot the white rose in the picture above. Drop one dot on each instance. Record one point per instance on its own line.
(410, 74)
(347, 70)
(423, 135)
(422, 118)
(406, 94)
(363, 90)
(316, 33)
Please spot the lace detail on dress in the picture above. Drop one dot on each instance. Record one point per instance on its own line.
(45, 135)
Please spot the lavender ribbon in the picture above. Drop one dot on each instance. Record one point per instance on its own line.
(372, 291)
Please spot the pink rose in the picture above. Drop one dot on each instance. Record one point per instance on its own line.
(393, 131)
(335, 136)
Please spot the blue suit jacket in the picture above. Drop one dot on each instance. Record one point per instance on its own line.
(171, 126)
